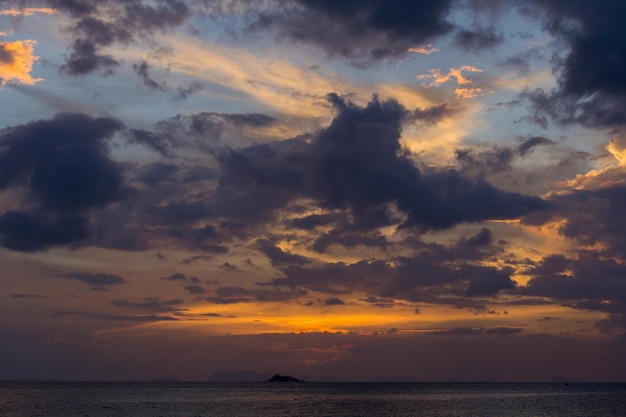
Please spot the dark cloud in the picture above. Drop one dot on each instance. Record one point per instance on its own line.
(380, 302)
(75, 8)
(595, 217)
(357, 165)
(163, 145)
(113, 317)
(591, 89)
(480, 38)
(503, 330)
(229, 268)
(77, 178)
(151, 304)
(176, 277)
(157, 173)
(27, 149)
(84, 59)
(22, 295)
(459, 331)
(490, 282)
(195, 289)
(142, 70)
(65, 164)
(34, 231)
(127, 22)
(234, 294)
(349, 239)
(587, 278)
(198, 131)
(313, 221)
(180, 212)
(431, 115)
(277, 256)
(97, 279)
(533, 141)
(195, 258)
(363, 31)
(443, 274)
(183, 93)
(479, 164)
(334, 302)
(468, 331)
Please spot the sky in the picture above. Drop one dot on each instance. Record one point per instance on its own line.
(351, 190)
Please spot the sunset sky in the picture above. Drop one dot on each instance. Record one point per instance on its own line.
(353, 190)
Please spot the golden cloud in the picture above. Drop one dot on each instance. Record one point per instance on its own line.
(437, 77)
(16, 62)
(28, 11)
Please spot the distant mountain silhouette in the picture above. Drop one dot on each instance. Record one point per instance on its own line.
(283, 378)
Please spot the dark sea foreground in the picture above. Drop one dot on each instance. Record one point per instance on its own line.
(135, 399)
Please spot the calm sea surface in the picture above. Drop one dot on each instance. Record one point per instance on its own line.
(85, 399)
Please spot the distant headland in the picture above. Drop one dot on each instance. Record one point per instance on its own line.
(283, 378)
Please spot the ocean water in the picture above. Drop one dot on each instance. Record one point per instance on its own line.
(137, 399)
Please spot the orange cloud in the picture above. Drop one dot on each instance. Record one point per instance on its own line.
(437, 77)
(28, 11)
(16, 62)
(426, 49)
(609, 173)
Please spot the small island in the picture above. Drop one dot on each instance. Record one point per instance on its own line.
(283, 378)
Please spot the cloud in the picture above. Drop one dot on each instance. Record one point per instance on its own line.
(64, 164)
(195, 289)
(437, 77)
(23, 295)
(357, 165)
(481, 38)
(533, 141)
(34, 231)
(334, 302)
(590, 277)
(490, 161)
(26, 11)
(197, 131)
(97, 280)
(66, 159)
(16, 62)
(125, 22)
(176, 277)
(490, 282)
(425, 49)
(591, 89)
(183, 93)
(381, 302)
(277, 256)
(455, 274)
(142, 70)
(235, 294)
(153, 304)
(114, 317)
(195, 258)
(362, 31)
(469, 331)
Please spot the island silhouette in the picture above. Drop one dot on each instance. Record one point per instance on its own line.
(283, 378)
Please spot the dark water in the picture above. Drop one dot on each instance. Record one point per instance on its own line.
(86, 399)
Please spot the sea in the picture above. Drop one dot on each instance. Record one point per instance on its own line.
(298, 399)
